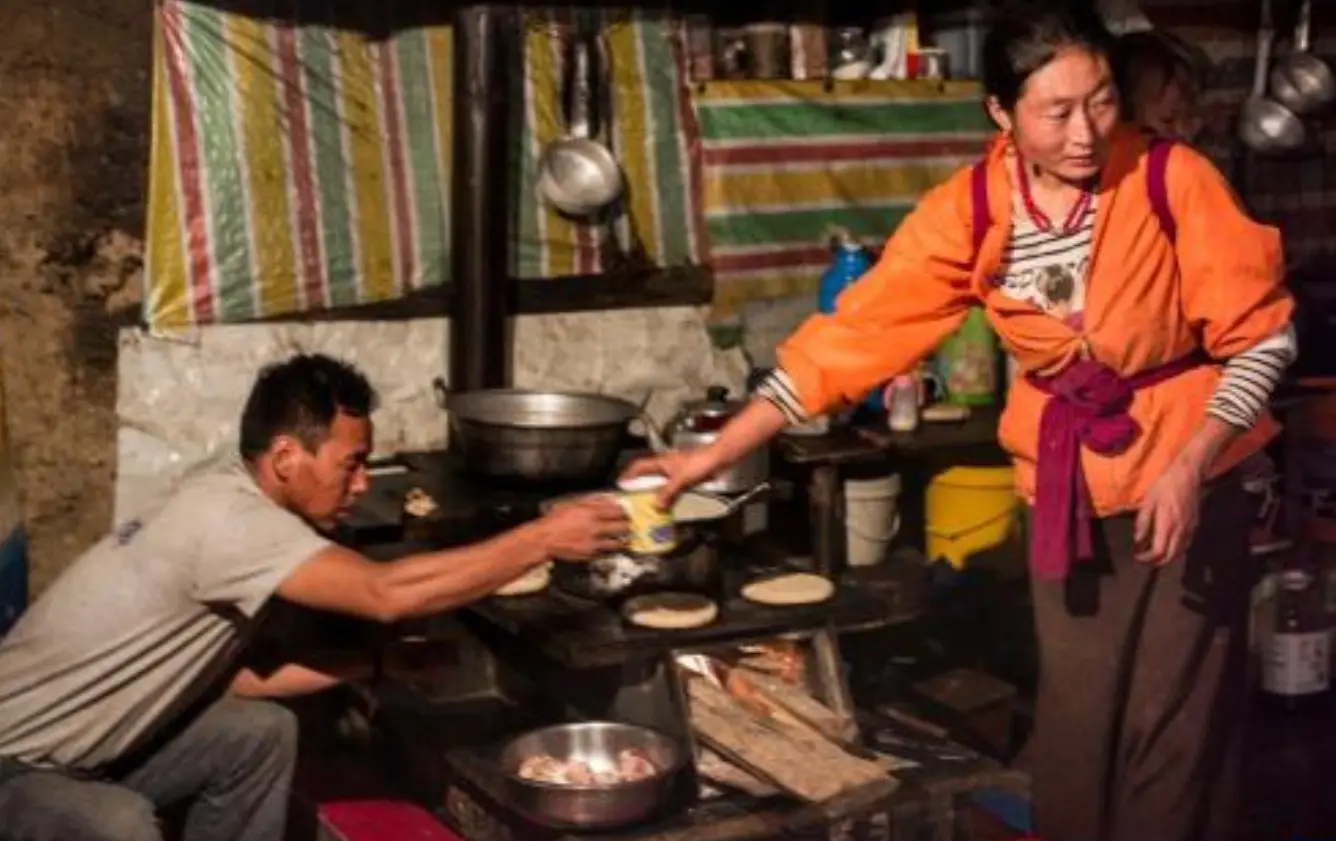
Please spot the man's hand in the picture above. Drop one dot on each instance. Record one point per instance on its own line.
(584, 528)
(294, 679)
(683, 469)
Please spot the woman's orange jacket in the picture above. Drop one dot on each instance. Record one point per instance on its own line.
(1218, 287)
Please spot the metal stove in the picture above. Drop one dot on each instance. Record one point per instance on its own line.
(525, 662)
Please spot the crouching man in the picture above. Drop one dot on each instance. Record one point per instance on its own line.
(120, 688)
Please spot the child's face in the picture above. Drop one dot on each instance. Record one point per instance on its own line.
(1167, 107)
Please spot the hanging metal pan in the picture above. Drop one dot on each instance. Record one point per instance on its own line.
(1301, 81)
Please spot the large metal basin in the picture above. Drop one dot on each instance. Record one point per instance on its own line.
(596, 743)
(539, 437)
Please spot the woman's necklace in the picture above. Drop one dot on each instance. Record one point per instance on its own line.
(1039, 217)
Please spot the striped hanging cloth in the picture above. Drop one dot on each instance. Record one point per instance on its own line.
(295, 167)
(785, 161)
(653, 136)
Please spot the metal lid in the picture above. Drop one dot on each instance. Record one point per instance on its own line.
(716, 403)
(710, 413)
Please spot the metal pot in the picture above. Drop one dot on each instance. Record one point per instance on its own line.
(699, 423)
(537, 437)
(1265, 126)
(591, 806)
(1301, 81)
(692, 567)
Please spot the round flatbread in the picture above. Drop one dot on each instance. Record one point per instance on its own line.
(789, 590)
(533, 581)
(670, 611)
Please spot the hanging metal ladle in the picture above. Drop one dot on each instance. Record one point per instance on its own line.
(1265, 126)
(577, 174)
(1301, 81)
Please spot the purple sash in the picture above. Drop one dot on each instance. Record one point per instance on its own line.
(1087, 406)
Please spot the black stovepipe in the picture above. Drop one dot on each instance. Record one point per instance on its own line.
(485, 43)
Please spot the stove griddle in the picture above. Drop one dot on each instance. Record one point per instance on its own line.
(582, 634)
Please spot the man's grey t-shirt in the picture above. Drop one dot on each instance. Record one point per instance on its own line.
(141, 623)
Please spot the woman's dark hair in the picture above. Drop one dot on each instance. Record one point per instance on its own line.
(1027, 35)
(1159, 54)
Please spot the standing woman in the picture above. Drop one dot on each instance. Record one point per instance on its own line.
(1149, 356)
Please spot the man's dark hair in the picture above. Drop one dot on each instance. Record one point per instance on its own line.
(300, 397)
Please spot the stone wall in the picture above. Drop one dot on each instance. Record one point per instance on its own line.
(74, 126)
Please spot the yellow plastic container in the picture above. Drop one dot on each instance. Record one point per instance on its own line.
(969, 510)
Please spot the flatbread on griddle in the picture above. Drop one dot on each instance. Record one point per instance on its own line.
(670, 611)
(789, 590)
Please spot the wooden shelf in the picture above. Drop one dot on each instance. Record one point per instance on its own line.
(882, 89)
(976, 436)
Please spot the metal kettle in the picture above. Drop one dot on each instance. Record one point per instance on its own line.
(698, 425)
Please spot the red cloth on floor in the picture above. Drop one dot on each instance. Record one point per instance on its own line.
(383, 820)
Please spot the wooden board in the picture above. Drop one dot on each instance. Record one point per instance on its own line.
(713, 767)
(800, 705)
(796, 761)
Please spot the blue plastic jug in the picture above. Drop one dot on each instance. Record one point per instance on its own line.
(850, 262)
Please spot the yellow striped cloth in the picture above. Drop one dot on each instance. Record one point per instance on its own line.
(294, 168)
(303, 167)
(785, 161)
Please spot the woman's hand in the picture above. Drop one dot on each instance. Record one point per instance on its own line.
(683, 469)
(1167, 521)
(751, 428)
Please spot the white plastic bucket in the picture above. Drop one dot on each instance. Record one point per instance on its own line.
(871, 518)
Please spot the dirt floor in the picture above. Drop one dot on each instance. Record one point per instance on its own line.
(74, 100)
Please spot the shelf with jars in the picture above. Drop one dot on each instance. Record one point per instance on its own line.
(901, 46)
